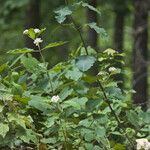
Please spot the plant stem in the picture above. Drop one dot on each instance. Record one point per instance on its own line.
(78, 30)
(114, 114)
(43, 59)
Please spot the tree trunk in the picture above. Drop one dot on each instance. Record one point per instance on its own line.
(140, 52)
(32, 20)
(118, 40)
(119, 31)
(92, 17)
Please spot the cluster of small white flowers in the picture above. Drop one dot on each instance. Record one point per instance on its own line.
(37, 41)
(55, 99)
(25, 31)
(37, 30)
(112, 69)
(100, 73)
(143, 144)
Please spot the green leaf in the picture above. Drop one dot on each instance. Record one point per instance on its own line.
(78, 103)
(65, 93)
(18, 119)
(39, 103)
(85, 62)
(133, 118)
(3, 67)
(20, 51)
(89, 7)
(74, 74)
(49, 140)
(4, 128)
(110, 51)
(55, 44)
(62, 14)
(1, 108)
(31, 64)
(98, 30)
(119, 147)
(31, 33)
(146, 117)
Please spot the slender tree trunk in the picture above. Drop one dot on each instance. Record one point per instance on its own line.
(118, 40)
(140, 52)
(92, 17)
(119, 31)
(32, 20)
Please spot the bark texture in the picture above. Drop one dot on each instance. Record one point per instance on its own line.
(140, 52)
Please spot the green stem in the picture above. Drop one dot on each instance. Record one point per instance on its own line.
(43, 59)
(114, 114)
(78, 30)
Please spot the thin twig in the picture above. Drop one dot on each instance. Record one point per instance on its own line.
(78, 30)
(43, 59)
(114, 114)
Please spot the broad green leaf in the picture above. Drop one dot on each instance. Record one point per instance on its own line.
(20, 51)
(4, 128)
(74, 74)
(98, 30)
(17, 118)
(39, 103)
(65, 93)
(62, 14)
(30, 136)
(55, 44)
(85, 62)
(78, 103)
(31, 64)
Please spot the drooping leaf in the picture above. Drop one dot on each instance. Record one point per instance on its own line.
(20, 51)
(83, 4)
(100, 31)
(4, 128)
(133, 118)
(62, 14)
(31, 64)
(55, 44)
(85, 62)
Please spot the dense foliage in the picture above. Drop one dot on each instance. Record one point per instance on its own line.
(76, 104)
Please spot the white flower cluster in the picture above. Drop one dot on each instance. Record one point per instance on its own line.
(112, 69)
(35, 31)
(143, 144)
(25, 31)
(55, 99)
(37, 41)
